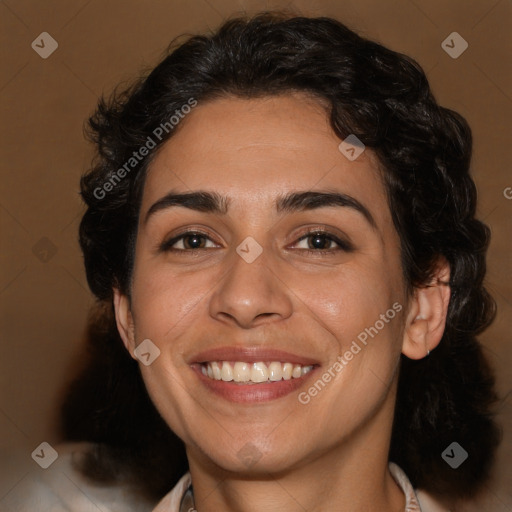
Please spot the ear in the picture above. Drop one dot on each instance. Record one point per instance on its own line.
(124, 320)
(426, 318)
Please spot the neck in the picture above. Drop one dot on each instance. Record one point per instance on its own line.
(353, 476)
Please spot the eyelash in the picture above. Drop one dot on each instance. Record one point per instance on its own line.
(343, 245)
(167, 245)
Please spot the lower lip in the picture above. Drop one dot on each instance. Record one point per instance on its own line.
(252, 393)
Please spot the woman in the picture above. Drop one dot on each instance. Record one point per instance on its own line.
(281, 232)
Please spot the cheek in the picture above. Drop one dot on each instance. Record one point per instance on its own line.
(363, 310)
(350, 300)
(163, 300)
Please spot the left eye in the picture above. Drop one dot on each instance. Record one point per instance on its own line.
(320, 242)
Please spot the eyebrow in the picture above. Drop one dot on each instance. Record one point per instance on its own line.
(311, 200)
(211, 202)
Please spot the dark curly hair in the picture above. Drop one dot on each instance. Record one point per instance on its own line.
(383, 98)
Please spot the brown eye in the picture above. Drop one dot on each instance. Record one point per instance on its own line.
(322, 242)
(319, 241)
(188, 241)
(194, 241)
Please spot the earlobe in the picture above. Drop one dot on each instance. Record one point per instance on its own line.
(124, 320)
(426, 319)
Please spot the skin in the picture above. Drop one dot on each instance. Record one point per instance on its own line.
(330, 454)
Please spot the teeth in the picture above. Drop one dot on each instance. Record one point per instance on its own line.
(275, 371)
(259, 372)
(287, 371)
(297, 371)
(216, 371)
(253, 372)
(306, 369)
(227, 372)
(242, 372)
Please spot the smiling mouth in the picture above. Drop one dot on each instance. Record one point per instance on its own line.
(253, 373)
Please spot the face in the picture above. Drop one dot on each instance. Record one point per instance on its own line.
(295, 295)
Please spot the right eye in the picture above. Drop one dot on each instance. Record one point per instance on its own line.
(188, 241)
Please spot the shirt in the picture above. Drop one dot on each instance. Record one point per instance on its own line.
(414, 501)
(26, 487)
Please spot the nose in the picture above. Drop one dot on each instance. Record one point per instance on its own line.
(251, 294)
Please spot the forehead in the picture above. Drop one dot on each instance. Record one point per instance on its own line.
(254, 150)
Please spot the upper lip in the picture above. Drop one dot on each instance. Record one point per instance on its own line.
(250, 355)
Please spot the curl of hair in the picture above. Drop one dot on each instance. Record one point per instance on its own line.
(384, 99)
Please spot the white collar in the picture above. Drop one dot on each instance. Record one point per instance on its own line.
(171, 502)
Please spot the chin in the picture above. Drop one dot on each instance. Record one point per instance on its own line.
(253, 458)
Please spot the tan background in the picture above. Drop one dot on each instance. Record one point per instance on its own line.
(44, 102)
